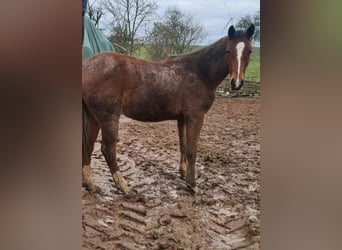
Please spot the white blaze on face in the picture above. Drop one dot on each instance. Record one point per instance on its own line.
(239, 48)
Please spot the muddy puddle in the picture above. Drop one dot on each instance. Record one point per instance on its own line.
(163, 214)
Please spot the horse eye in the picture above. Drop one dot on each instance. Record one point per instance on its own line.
(227, 51)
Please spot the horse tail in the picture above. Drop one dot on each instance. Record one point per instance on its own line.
(85, 144)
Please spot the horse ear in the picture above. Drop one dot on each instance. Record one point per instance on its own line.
(250, 31)
(231, 32)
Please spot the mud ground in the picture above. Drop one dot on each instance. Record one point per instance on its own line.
(163, 214)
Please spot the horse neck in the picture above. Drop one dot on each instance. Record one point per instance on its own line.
(211, 64)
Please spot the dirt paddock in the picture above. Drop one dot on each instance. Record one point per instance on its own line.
(163, 214)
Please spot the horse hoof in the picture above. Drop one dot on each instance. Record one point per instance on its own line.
(126, 190)
(131, 194)
(123, 187)
(121, 183)
(92, 189)
(194, 189)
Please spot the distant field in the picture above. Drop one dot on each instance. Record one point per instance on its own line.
(252, 72)
(141, 53)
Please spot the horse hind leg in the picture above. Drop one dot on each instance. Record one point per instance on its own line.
(91, 130)
(86, 179)
(109, 139)
(182, 145)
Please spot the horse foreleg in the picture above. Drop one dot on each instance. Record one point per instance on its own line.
(193, 129)
(108, 148)
(182, 146)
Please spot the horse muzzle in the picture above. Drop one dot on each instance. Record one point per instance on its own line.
(236, 85)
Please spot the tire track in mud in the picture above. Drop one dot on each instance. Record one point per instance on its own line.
(163, 214)
(126, 215)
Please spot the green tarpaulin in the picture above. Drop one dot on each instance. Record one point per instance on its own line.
(94, 41)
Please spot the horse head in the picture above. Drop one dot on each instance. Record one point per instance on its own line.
(238, 51)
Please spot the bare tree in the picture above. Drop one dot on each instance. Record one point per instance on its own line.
(174, 35)
(95, 11)
(129, 17)
(256, 20)
(244, 23)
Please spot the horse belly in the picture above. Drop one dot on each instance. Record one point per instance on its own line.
(151, 108)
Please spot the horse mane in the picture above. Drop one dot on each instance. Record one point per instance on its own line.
(210, 52)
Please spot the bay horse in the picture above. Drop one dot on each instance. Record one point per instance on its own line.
(178, 88)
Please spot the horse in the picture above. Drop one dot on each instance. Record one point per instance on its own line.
(178, 88)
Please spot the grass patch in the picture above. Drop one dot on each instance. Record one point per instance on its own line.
(141, 53)
(253, 69)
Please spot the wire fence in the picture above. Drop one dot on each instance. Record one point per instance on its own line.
(249, 89)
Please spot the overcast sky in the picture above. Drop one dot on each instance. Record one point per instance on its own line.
(213, 14)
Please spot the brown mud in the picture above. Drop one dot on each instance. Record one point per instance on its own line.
(163, 214)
